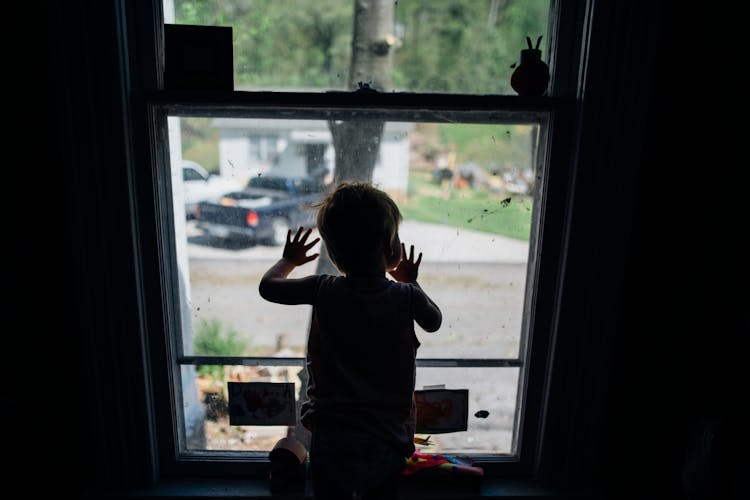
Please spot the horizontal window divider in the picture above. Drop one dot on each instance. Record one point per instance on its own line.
(325, 98)
(469, 363)
(421, 362)
(311, 105)
(240, 360)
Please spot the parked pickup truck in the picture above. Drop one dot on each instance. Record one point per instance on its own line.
(199, 185)
(262, 212)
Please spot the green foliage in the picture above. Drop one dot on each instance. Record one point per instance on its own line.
(495, 147)
(216, 372)
(281, 43)
(476, 209)
(200, 142)
(459, 46)
(212, 339)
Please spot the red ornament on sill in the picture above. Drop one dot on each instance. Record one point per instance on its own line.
(531, 77)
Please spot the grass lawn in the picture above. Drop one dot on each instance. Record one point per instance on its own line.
(477, 209)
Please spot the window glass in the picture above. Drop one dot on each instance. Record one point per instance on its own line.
(491, 425)
(467, 185)
(206, 418)
(493, 408)
(438, 46)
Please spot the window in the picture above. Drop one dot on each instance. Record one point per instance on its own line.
(281, 45)
(470, 165)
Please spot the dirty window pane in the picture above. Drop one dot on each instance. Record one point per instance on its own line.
(491, 427)
(465, 191)
(439, 46)
(205, 410)
(468, 193)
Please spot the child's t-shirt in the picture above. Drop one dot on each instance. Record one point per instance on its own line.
(361, 357)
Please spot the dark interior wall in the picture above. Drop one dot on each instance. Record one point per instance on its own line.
(677, 357)
(82, 408)
(680, 368)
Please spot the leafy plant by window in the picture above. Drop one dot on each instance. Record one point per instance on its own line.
(213, 339)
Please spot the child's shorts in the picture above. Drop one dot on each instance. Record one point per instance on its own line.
(352, 460)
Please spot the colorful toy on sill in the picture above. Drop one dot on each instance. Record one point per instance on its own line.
(442, 471)
(531, 76)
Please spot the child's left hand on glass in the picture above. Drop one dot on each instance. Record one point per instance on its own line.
(408, 268)
(295, 249)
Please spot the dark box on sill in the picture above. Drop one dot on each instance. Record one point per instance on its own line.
(198, 58)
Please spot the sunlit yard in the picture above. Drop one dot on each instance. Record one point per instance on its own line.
(477, 209)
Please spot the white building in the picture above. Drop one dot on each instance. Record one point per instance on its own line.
(252, 146)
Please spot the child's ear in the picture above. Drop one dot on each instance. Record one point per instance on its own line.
(393, 248)
(389, 250)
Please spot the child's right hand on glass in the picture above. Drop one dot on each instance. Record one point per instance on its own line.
(295, 249)
(407, 269)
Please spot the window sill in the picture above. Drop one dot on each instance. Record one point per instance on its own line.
(259, 489)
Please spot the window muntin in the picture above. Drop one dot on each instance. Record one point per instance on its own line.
(437, 45)
(484, 330)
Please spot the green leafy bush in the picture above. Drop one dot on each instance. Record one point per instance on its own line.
(213, 339)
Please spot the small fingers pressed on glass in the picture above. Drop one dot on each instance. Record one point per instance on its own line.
(408, 257)
(311, 244)
(307, 234)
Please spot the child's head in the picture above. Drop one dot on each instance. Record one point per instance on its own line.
(359, 225)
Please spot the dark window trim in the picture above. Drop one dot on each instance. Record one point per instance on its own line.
(154, 103)
(393, 107)
(609, 135)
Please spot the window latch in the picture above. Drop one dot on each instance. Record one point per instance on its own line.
(365, 88)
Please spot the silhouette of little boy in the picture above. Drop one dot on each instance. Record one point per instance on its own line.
(362, 346)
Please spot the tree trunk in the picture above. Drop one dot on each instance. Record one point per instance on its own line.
(372, 44)
(357, 142)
